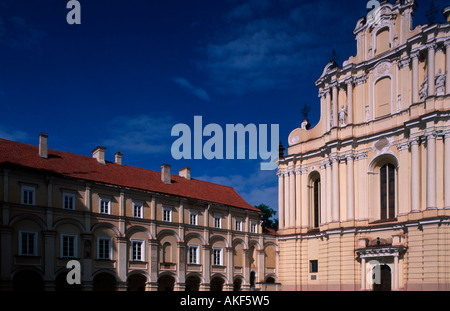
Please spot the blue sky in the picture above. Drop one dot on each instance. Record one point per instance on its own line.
(134, 69)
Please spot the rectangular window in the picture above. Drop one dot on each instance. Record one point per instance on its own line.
(28, 195)
(167, 214)
(28, 243)
(137, 250)
(217, 257)
(69, 201)
(238, 225)
(194, 257)
(217, 222)
(105, 206)
(68, 246)
(104, 248)
(313, 266)
(193, 218)
(138, 210)
(254, 227)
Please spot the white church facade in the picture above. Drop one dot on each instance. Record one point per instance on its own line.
(364, 196)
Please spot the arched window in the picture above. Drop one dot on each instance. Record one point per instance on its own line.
(383, 186)
(315, 200)
(387, 191)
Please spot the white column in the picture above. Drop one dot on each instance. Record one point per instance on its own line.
(287, 216)
(431, 170)
(122, 212)
(415, 175)
(292, 198)
(350, 188)
(349, 83)
(447, 170)
(281, 199)
(396, 272)
(87, 203)
(298, 197)
(323, 193)
(447, 65)
(335, 189)
(305, 194)
(335, 105)
(431, 69)
(328, 108)
(415, 76)
(329, 190)
(363, 273)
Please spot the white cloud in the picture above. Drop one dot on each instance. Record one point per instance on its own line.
(13, 134)
(259, 49)
(260, 187)
(140, 134)
(197, 91)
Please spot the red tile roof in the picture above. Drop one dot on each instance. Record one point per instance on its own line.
(87, 168)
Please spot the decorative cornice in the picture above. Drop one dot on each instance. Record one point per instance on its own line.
(403, 146)
(414, 53)
(361, 79)
(361, 156)
(431, 45)
(404, 62)
(414, 141)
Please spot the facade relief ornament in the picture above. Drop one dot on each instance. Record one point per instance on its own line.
(382, 146)
(295, 140)
(382, 69)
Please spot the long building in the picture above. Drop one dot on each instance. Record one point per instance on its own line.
(364, 196)
(128, 228)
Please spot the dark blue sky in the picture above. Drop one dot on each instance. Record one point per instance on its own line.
(135, 68)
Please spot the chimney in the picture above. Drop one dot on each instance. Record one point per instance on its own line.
(99, 154)
(185, 172)
(43, 145)
(165, 173)
(118, 158)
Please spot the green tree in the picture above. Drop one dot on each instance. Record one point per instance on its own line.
(267, 222)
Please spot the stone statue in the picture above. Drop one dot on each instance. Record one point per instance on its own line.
(331, 118)
(424, 88)
(440, 83)
(342, 115)
(367, 113)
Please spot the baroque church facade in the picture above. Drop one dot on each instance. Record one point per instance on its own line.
(364, 196)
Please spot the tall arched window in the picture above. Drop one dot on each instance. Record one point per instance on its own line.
(315, 200)
(387, 191)
(383, 185)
